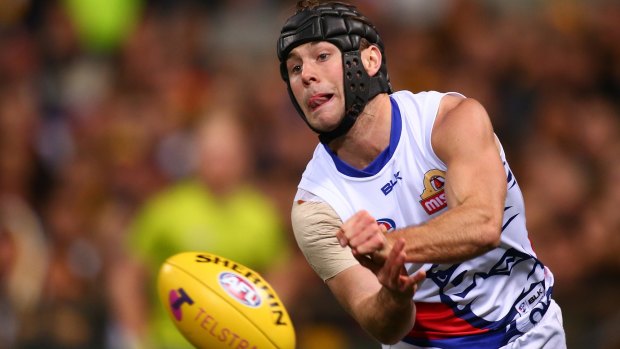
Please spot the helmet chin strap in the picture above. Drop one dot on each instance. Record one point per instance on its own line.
(359, 89)
(345, 125)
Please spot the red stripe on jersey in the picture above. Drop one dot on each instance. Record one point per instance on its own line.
(437, 321)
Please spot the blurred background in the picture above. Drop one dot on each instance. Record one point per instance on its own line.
(134, 129)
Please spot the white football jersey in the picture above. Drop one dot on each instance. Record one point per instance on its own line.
(484, 302)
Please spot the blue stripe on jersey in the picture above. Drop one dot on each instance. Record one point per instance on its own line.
(510, 177)
(508, 221)
(496, 337)
(489, 340)
(377, 164)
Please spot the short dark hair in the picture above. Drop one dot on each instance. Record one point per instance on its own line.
(306, 4)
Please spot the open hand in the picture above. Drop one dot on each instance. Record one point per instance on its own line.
(391, 271)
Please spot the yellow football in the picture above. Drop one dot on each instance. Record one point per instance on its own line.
(218, 303)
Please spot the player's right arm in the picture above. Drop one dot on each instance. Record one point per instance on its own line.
(379, 297)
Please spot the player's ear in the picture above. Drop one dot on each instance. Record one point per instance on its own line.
(371, 58)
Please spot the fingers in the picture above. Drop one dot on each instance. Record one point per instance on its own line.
(362, 233)
(370, 247)
(411, 283)
(418, 276)
(393, 267)
(396, 262)
(367, 262)
(342, 239)
(393, 275)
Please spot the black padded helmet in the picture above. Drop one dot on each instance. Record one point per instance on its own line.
(344, 26)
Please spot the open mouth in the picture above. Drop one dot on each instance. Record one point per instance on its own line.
(318, 100)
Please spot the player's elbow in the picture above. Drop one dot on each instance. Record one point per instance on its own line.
(490, 239)
(392, 325)
(390, 338)
(490, 230)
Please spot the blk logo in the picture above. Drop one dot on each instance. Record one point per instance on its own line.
(177, 298)
(389, 186)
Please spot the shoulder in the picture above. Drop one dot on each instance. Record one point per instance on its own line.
(168, 199)
(460, 114)
(309, 215)
(416, 96)
(248, 195)
(458, 104)
(459, 121)
(433, 103)
(428, 94)
(185, 190)
(314, 225)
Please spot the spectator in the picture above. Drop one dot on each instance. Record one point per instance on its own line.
(216, 210)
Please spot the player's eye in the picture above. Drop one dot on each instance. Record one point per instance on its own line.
(295, 69)
(323, 56)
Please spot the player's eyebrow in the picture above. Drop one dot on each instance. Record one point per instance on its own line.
(312, 43)
(291, 55)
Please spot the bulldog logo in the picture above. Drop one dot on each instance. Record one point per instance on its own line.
(433, 197)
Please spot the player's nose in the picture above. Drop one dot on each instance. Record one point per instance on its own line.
(309, 74)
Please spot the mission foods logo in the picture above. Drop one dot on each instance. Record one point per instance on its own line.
(433, 196)
(240, 289)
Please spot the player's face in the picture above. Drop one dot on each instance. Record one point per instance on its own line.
(315, 76)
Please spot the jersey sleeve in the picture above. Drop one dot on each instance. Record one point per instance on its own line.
(315, 225)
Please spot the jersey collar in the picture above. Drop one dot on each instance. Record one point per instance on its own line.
(379, 162)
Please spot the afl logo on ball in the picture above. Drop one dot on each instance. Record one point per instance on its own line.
(240, 289)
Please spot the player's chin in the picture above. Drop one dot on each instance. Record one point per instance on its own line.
(324, 124)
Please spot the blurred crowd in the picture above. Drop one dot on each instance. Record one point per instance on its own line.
(108, 107)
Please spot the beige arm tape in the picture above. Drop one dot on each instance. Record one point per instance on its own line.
(315, 225)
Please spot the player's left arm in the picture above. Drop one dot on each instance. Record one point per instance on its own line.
(475, 189)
